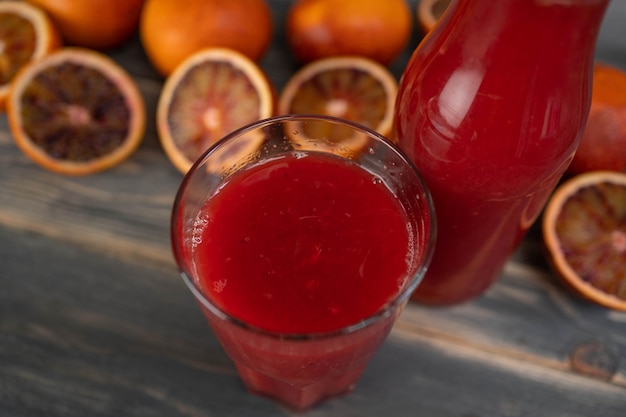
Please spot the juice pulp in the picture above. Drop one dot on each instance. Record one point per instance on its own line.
(490, 109)
(304, 243)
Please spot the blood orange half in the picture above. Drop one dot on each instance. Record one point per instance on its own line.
(26, 34)
(584, 228)
(212, 93)
(429, 12)
(76, 112)
(349, 87)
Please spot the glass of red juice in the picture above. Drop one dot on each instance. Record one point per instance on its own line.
(302, 238)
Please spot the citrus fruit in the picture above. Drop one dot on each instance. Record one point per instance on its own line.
(97, 24)
(352, 88)
(603, 144)
(210, 94)
(584, 228)
(75, 112)
(375, 29)
(429, 12)
(26, 34)
(172, 30)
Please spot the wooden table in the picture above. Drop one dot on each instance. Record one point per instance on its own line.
(94, 320)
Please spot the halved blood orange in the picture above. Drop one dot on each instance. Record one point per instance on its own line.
(584, 229)
(349, 87)
(429, 12)
(76, 112)
(26, 34)
(210, 94)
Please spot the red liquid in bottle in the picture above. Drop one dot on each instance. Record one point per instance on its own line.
(491, 108)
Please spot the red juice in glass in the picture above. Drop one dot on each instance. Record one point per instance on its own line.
(302, 257)
(283, 245)
(491, 108)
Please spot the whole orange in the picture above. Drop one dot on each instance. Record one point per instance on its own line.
(375, 29)
(603, 144)
(96, 24)
(173, 30)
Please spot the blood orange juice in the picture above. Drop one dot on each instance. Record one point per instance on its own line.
(283, 245)
(302, 258)
(491, 108)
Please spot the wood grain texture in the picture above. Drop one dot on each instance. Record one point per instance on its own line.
(86, 334)
(94, 320)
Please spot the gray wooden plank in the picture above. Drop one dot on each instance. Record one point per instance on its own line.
(84, 333)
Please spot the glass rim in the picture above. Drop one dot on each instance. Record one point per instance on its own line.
(383, 312)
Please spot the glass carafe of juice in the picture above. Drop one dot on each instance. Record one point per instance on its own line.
(491, 108)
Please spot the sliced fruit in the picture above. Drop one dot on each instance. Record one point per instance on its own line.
(173, 30)
(352, 88)
(429, 12)
(374, 29)
(76, 112)
(212, 93)
(26, 34)
(97, 24)
(603, 144)
(584, 228)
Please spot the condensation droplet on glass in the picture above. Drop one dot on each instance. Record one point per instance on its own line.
(199, 225)
(371, 151)
(219, 285)
(411, 254)
(196, 240)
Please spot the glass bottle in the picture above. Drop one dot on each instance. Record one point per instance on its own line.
(491, 108)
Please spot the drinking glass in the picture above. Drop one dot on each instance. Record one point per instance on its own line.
(302, 369)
